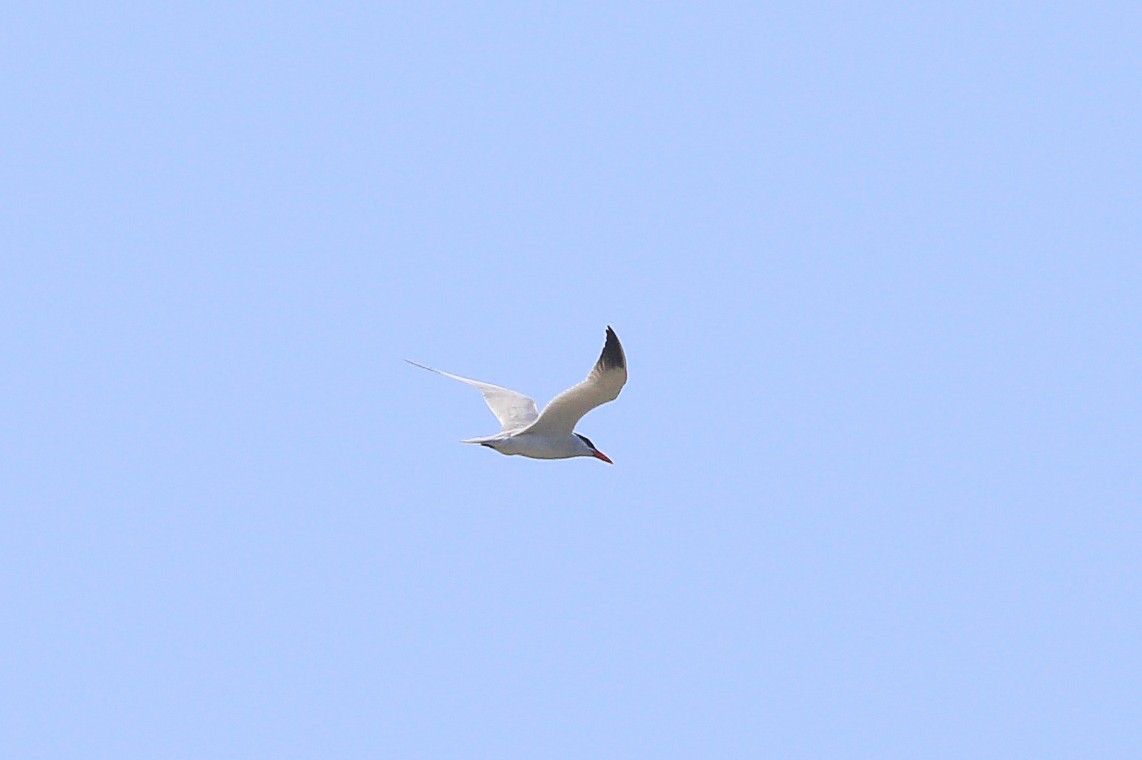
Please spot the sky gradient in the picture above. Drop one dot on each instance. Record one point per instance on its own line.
(876, 487)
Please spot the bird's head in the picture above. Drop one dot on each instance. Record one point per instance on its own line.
(589, 449)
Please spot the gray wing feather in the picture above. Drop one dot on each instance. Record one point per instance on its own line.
(603, 384)
(513, 410)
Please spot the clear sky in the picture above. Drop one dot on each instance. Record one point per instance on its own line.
(878, 273)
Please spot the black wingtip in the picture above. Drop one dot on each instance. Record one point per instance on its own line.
(612, 356)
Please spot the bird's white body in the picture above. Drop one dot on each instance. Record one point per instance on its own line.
(536, 446)
(551, 435)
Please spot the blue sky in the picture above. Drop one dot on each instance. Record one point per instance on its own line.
(876, 269)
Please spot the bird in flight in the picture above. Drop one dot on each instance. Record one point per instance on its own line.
(551, 435)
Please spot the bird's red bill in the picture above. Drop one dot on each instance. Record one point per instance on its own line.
(604, 457)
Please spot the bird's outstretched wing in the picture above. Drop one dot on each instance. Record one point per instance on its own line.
(513, 410)
(603, 384)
